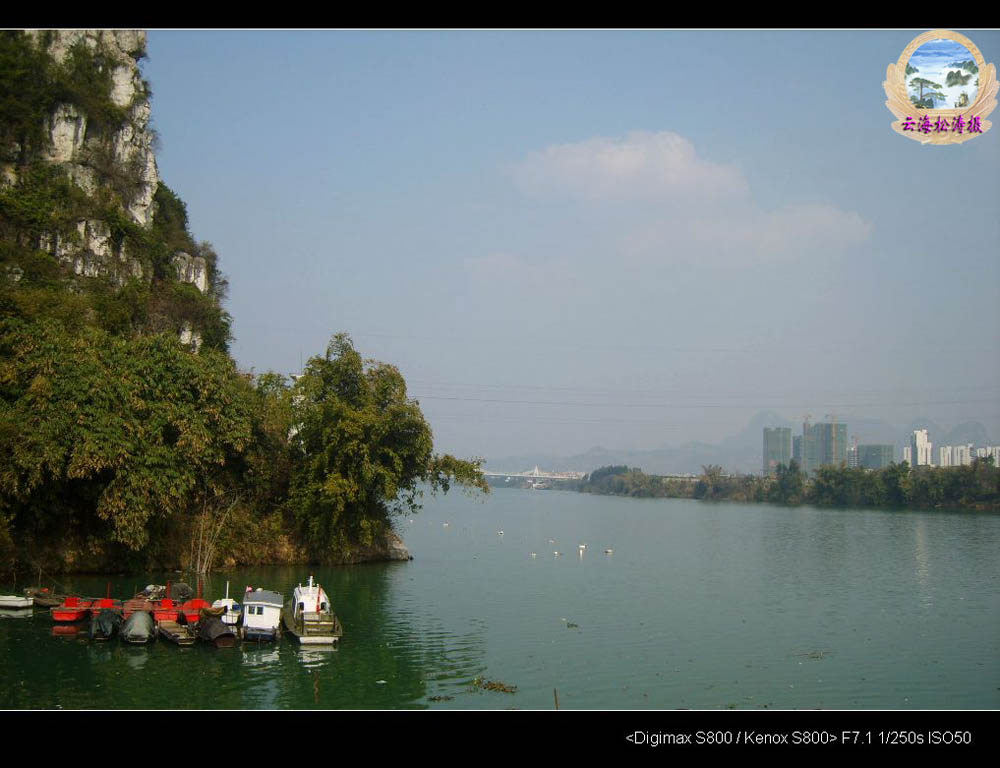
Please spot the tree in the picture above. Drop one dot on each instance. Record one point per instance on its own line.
(926, 100)
(112, 437)
(787, 487)
(711, 484)
(365, 448)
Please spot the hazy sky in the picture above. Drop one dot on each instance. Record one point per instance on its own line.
(570, 239)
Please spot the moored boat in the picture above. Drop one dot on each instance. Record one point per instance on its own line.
(106, 603)
(165, 610)
(138, 604)
(104, 623)
(44, 597)
(73, 608)
(138, 628)
(309, 616)
(192, 608)
(212, 630)
(180, 634)
(164, 607)
(231, 610)
(261, 615)
(15, 602)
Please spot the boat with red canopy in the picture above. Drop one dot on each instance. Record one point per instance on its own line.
(192, 608)
(72, 609)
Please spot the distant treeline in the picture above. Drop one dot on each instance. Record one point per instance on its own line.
(975, 486)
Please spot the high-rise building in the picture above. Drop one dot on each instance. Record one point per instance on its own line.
(797, 450)
(907, 455)
(875, 456)
(808, 447)
(961, 455)
(944, 456)
(920, 448)
(831, 443)
(777, 448)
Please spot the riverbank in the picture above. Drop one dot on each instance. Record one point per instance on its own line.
(87, 555)
(975, 487)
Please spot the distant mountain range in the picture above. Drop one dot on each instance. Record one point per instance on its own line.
(741, 452)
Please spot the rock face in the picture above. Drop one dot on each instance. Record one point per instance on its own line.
(395, 548)
(132, 143)
(129, 150)
(95, 127)
(390, 548)
(191, 269)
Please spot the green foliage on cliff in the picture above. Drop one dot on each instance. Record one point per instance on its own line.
(33, 85)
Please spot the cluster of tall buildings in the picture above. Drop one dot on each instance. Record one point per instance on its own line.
(826, 443)
(919, 453)
(821, 444)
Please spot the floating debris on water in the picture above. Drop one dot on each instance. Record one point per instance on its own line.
(494, 685)
(440, 698)
(609, 551)
(815, 655)
(380, 682)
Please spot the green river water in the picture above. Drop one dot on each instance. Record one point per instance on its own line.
(700, 606)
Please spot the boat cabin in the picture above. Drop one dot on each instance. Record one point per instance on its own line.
(261, 614)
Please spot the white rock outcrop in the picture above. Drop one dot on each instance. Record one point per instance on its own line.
(191, 269)
(190, 337)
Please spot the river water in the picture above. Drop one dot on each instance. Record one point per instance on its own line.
(700, 606)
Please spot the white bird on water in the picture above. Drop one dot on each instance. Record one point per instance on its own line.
(500, 532)
(557, 553)
(608, 551)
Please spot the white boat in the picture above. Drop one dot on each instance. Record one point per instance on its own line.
(231, 609)
(309, 616)
(16, 602)
(261, 615)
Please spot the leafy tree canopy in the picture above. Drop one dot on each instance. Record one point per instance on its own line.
(96, 427)
(365, 448)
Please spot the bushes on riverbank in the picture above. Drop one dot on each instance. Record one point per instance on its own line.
(975, 486)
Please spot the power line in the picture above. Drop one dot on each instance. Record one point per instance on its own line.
(561, 403)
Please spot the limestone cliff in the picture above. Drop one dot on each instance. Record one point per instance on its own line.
(79, 184)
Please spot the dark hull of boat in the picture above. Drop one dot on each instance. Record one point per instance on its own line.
(212, 630)
(139, 628)
(103, 625)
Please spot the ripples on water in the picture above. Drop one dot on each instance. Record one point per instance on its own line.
(699, 606)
